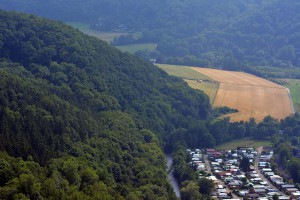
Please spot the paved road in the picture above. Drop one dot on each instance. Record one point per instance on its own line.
(259, 150)
(207, 165)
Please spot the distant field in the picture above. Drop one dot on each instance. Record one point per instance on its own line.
(294, 86)
(209, 88)
(109, 36)
(85, 28)
(245, 142)
(136, 47)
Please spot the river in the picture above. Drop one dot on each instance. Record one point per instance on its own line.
(172, 179)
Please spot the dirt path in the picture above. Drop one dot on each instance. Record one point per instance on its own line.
(259, 150)
(291, 100)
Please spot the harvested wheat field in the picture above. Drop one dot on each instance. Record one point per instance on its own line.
(252, 96)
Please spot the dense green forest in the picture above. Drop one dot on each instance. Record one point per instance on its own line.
(82, 120)
(226, 34)
(86, 120)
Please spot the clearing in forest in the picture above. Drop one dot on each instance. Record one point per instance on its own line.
(252, 96)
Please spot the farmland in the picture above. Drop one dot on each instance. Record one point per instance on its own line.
(252, 96)
(236, 78)
(184, 72)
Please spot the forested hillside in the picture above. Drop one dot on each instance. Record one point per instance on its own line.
(227, 34)
(85, 120)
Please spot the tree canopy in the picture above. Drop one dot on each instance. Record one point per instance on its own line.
(227, 34)
(86, 116)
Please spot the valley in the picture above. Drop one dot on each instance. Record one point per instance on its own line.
(110, 100)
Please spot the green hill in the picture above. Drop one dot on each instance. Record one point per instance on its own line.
(86, 120)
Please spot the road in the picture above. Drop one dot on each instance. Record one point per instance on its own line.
(259, 150)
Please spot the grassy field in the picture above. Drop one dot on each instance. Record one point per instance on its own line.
(252, 96)
(245, 142)
(184, 72)
(209, 88)
(136, 47)
(237, 78)
(85, 28)
(294, 86)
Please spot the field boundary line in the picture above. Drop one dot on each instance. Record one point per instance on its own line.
(213, 101)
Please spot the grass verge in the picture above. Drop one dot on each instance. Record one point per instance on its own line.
(245, 142)
(294, 86)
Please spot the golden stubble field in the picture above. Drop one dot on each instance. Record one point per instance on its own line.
(252, 96)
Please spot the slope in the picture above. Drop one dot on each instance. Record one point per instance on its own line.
(94, 118)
